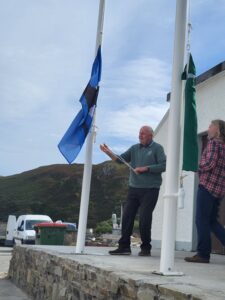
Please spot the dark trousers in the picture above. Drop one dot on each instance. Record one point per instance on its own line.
(206, 221)
(145, 200)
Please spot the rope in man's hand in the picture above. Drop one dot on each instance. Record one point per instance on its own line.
(109, 152)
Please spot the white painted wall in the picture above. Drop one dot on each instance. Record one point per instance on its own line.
(210, 101)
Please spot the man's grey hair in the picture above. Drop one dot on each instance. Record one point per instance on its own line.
(149, 128)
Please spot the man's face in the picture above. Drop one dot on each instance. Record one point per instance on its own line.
(145, 136)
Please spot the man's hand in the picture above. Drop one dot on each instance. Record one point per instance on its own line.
(105, 148)
(107, 151)
(140, 170)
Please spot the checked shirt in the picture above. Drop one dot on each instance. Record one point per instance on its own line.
(212, 168)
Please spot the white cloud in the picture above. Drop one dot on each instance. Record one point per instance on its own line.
(126, 123)
(133, 95)
(21, 98)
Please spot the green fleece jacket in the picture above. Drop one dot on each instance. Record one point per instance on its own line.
(152, 156)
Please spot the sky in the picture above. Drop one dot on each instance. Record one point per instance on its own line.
(47, 48)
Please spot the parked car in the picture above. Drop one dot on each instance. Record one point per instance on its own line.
(24, 232)
(70, 226)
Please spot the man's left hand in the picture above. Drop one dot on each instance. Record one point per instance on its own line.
(140, 170)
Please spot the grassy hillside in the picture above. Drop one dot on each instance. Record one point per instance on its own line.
(55, 190)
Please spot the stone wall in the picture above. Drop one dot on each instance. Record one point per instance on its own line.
(46, 276)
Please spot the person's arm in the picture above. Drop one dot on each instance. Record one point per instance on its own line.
(209, 157)
(107, 151)
(121, 159)
(160, 165)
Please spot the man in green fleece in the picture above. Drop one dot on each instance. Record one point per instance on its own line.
(148, 161)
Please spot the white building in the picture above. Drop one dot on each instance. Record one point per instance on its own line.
(210, 102)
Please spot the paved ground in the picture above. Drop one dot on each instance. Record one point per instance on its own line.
(206, 281)
(8, 291)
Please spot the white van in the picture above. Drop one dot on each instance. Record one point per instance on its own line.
(24, 232)
(10, 229)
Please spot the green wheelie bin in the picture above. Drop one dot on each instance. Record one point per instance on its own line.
(50, 233)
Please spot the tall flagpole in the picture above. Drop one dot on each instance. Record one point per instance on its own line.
(85, 193)
(173, 153)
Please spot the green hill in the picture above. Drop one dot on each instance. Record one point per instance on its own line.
(55, 190)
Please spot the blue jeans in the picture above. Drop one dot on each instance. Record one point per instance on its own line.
(206, 221)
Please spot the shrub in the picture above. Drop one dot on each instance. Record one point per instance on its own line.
(104, 227)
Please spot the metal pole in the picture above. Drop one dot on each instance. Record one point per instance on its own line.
(85, 193)
(173, 153)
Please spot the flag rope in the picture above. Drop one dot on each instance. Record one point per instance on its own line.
(123, 161)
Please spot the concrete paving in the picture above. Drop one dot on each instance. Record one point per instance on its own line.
(204, 281)
(8, 291)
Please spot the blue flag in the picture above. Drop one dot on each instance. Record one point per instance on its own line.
(73, 140)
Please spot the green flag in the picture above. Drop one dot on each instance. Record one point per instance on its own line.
(190, 145)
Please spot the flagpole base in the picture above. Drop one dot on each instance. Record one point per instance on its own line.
(80, 252)
(174, 273)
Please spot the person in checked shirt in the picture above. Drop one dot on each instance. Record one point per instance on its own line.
(211, 190)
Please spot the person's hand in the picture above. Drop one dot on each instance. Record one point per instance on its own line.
(105, 148)
(140, 170)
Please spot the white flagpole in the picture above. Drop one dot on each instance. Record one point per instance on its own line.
(85, 193)
(173, 153)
